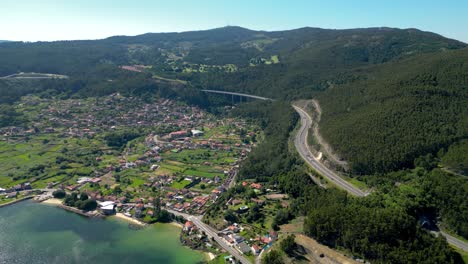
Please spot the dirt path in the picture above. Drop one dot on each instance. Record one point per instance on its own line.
(315, 250)
(324, 146)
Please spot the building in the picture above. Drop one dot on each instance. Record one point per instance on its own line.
(237, 239)
(107, 207)
(178, 134)
(188, 226)
(243, 248)
(256, 249)
(197, 133)
(257, 186)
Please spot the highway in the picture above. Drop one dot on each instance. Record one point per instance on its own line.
(300, 142)
(238, 94)
(455, 241)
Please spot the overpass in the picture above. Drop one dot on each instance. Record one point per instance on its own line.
(300, 142)
(238, 94)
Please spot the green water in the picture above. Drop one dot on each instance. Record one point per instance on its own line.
(39, 233)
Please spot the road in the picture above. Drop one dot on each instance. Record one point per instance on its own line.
(300, 142)
(239, 94)
(455, 241)
(24, 75)
(302, 147)
(214, 234)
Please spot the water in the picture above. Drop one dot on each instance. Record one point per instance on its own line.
(33, 233)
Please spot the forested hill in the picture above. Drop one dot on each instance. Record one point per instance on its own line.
(402, 88)
(304, 51)
(392, 114)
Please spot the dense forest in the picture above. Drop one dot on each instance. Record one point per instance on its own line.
(382, 227)
(399, 111)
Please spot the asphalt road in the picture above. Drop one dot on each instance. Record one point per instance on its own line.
(214, 234)
(455, 241)
(300, 142)
(238, 94)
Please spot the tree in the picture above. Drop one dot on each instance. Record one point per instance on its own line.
(427, 162)
(254, 214)
(165, 216)
(59, 194)
(281, 217)
(230, 216)
(157, 205)
(273, 257)
(117, 189)
(288, 244)
(84, 196)
(71, 199)
(89, 205)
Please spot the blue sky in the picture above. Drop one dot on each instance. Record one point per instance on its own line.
(32, 20)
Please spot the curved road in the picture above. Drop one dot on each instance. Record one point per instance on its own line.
(302, 147)
(300, 142)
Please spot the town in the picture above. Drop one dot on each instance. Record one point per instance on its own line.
(134, 159)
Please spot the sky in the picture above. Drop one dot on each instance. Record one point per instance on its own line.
(48, 20)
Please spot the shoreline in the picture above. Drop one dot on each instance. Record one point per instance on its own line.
(176, 224)
(210, 256)
(129, 219)
(53, 201)
(16, 201)
(58, 203)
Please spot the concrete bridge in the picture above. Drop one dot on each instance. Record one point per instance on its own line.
(238, 94)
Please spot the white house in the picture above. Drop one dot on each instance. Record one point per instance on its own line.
(107, 207)
(197, 133)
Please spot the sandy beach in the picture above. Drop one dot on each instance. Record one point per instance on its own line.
(210, 255)
(177, 224)
(129, 219)
(54, 201)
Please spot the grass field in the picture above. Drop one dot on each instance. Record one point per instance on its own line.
(199, 173)
(180, 185)
(46, 158)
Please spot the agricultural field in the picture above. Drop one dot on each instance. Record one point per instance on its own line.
(127, 150)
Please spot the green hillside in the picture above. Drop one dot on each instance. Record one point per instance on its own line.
(394, 104)
(321, 50)
(374, 83)
(392, 114)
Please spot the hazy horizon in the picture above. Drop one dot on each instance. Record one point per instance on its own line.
(52, 20)
(193, 30)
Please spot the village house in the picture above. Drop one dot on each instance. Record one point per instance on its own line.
(243, 248)
(256, 249)
(258, 201)
(178, 134)
(257, 186)
(197, 133)
(107, 207)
